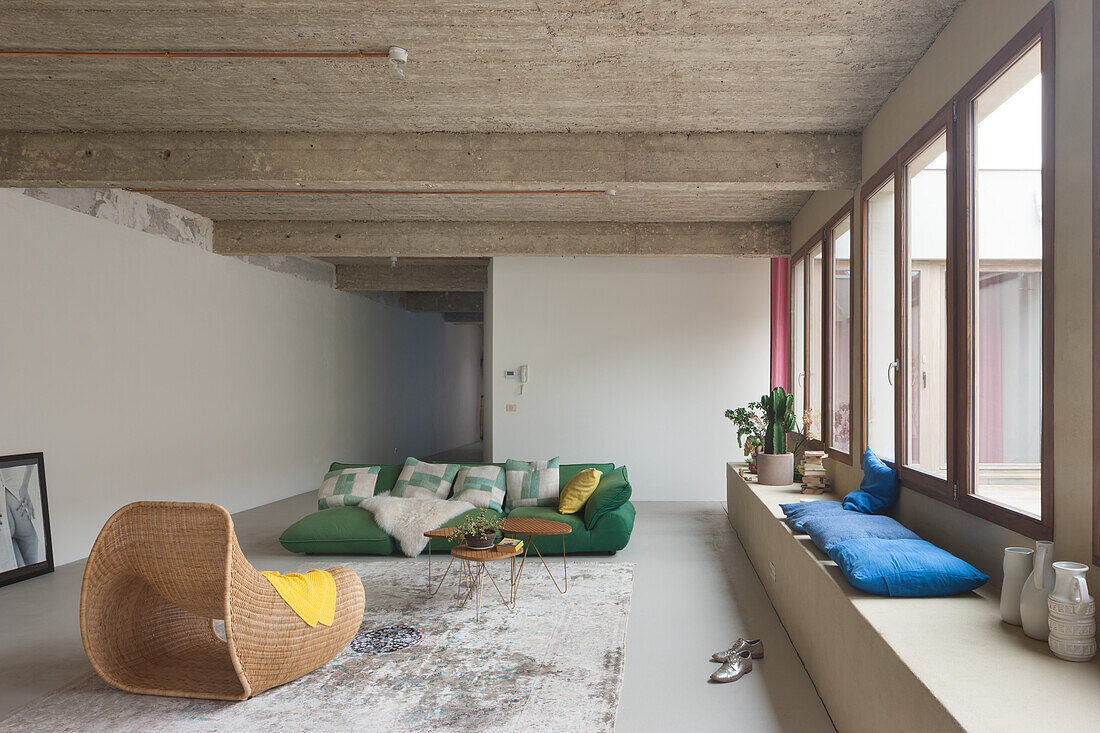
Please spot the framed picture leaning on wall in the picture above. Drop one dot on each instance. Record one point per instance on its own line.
(25, 547)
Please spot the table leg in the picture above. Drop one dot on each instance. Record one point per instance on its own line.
(564, 587)
(431, 593)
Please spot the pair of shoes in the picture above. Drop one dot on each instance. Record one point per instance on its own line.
(739, 665)
(754, 646)
(737, 660)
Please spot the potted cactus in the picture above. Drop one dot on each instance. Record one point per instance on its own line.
(775, 466)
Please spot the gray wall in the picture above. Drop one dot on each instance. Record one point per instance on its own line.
(149, 369)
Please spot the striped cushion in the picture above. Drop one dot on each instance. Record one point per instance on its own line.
(347, 487)
(532, 483)
(425, 480)
(482, 486)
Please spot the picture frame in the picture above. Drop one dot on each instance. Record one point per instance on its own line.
(26, 549)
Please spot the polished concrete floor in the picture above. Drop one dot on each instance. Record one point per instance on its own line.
(694, 592)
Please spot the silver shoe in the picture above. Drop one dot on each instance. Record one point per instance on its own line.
(736, 668)
(754, 646)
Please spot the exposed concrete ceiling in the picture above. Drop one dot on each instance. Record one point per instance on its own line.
(754, 65)
(712, 121)
(730, 176)
(657, 202)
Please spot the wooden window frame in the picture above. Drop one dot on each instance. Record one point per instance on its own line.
(954, 119)
(1039, 30)
(1095, 283)
(829, 297)
(941, 125)
(873, 185)
(817, 239)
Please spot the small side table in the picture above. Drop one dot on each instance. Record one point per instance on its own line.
(526, 528)
(472, 569)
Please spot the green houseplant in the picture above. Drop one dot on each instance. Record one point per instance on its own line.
(479, 531)
(762, 429)
(775, 466)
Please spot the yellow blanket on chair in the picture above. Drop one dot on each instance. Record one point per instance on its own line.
(312, 596)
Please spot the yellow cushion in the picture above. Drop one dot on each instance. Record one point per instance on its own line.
(577, 491)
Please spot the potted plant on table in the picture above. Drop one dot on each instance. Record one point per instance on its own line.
(762, 429)
(479, 531)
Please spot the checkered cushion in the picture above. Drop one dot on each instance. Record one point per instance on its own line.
(425, 480)
(347, 487)
(482, 486)
(532, 484)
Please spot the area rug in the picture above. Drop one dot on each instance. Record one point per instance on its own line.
(417, 664)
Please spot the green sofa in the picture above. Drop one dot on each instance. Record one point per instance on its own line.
(603, 525)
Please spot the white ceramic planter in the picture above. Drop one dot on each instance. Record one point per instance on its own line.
(1017, 566)
(1072, 618)
(775, 469)
(1033, 597)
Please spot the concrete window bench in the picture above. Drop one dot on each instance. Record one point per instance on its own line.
(905, 664)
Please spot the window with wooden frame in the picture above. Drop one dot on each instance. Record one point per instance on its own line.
(967, 358)
(880, 360)
(837, 415)
(808, 330)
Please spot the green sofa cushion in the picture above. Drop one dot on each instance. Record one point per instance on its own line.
(567, 472)
(614, 491)
(387, 477)
(343, 529)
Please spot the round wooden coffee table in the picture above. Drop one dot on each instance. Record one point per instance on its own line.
(528, 527)
(472, 570)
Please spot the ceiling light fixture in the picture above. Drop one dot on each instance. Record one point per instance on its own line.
(398, 57)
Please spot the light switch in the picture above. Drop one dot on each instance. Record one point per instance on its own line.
(510, 407)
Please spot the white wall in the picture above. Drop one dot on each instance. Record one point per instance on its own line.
(632, 360)
(459, 416)
(147, 369)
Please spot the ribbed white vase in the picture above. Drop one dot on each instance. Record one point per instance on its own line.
(1072, 618)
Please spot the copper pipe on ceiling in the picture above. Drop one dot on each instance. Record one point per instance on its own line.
(371, 191)
(206, 54)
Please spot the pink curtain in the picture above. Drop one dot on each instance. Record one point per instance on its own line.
(781, 321)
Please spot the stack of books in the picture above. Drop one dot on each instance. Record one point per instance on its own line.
(813, 472)
(511, 542)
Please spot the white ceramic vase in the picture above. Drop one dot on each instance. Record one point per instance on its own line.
(1072, 619)
(775, 469)
(1033, 597)
(1017, 566)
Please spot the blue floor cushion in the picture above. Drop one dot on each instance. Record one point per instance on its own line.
(904, 568)
(878, 490)
(797, 514)
(829, 530)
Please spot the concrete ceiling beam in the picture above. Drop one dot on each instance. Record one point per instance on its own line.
(495, 239)
(768, 161)
(445, 302)
(464, 318)
(458, 277)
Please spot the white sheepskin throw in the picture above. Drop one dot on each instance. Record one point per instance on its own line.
(406, 519)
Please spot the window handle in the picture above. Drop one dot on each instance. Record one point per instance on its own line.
(801, 379)
(891, 369)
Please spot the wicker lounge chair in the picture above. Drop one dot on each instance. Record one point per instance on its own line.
(158, 577)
